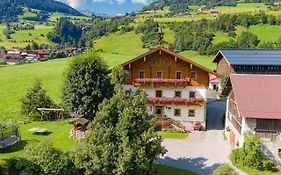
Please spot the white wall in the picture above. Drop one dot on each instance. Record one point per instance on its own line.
(169, 92)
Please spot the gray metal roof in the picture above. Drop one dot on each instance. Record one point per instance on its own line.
(252, 56)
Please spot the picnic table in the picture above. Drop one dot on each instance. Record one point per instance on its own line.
(38, 130)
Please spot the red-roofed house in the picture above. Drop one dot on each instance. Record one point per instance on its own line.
(253, 104)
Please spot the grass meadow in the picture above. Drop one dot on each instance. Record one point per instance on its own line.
(22, 38)
(266, 32)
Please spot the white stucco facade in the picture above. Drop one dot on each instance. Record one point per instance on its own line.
(168, 110)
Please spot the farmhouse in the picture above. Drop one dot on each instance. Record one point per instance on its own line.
(176, 86)
(253, 104)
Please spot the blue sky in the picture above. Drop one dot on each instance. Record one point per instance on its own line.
(111, 7)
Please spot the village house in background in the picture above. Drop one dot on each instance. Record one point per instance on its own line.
(253, 104)
(21, 56)
(176, 86)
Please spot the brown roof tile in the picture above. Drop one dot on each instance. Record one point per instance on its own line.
(257, 96)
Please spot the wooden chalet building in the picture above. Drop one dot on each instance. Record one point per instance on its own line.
(248, 61)
(176, 86)
(253, 104)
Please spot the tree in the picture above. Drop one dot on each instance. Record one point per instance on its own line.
(86, 85)
(118, 77)
(35, 98)
(247, 40)
(34, 46)
(43, 158)
(121, 139)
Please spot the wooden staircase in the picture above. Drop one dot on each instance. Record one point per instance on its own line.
(164, 122)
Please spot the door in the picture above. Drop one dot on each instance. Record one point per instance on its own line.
(232, 139)
(159, 111)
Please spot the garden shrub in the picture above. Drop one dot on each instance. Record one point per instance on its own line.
(250, 154)
(225, 169)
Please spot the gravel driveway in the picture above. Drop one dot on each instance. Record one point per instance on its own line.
(202, 151)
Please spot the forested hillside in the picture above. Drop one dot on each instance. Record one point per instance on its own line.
(9, 9)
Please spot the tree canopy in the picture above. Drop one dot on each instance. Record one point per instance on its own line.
(121, 139)
(86, 85)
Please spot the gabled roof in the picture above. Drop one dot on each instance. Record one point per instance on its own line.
(257, 96)
(259, 57)
(162, 49)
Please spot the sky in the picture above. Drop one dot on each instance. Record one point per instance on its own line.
(110, 7)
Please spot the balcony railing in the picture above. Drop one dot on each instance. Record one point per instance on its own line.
(161, 81)
(183, 101)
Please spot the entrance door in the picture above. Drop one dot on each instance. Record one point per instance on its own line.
(232, 139)
(159, 111)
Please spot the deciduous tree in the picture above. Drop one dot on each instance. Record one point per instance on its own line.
(86, 85)
(121, 139)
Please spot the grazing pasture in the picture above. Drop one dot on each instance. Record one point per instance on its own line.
(266, 32)
(22, 38)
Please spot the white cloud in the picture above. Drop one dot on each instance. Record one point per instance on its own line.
(76, 3)
(108, 1)
(121, 1)
(145, 2)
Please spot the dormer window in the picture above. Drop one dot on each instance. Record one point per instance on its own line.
(178, 75)
(158, 74)
(141, 74)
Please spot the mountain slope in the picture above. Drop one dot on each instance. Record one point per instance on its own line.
(9, 9)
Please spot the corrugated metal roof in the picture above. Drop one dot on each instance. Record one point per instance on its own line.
(252, 56)
(257, 96)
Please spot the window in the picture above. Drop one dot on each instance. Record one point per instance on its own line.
(141, 74)
(178, 75)
(178, 94)
(193, 75)
(192, 94)
(177, 112)
(191, 113)
(158, 74)
(158, 93)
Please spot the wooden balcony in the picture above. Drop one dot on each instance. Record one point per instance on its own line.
(178, 101)
(161, 82)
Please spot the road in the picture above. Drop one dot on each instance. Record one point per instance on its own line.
(202, 151)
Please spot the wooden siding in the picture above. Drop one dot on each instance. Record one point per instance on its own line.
(168, 65)
(223, 68)
(233, 114)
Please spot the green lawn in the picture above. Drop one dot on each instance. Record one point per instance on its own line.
(15, 80)
(168, 170)
(242, 8)
(171, 135)
(121, 43)
(266, 32)
(256, 172)
(19, 37)
(201, 59)
(58, 134)
(54, 16)
(221, 37)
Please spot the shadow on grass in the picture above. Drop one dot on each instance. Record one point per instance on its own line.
(197, 164)
(43, 134)
(14, 148)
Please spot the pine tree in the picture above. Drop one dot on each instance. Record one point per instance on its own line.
(35, 98)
